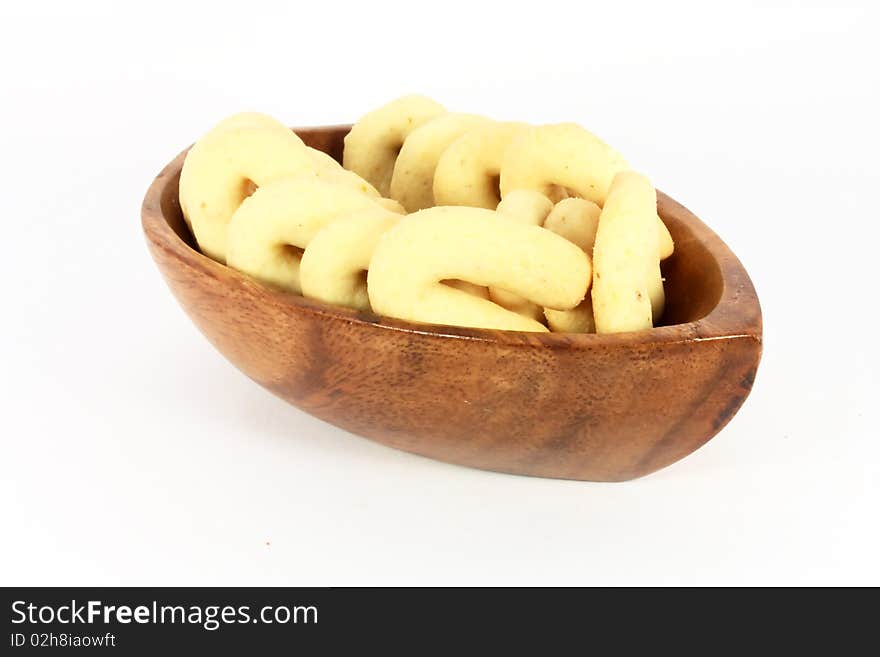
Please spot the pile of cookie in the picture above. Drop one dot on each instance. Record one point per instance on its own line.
(435, 217)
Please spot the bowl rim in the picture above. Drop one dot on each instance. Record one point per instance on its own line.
(736, 315)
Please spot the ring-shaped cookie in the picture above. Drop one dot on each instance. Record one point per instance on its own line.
(372, 145)
(468, 171)
(626, 262)
(640, 194)
(563, 155)
(412, 182)
(334, 265)
(268, 233)
(475, 245)
(575, 219)
(224, 167)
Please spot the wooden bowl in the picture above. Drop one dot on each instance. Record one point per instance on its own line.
(593, 407)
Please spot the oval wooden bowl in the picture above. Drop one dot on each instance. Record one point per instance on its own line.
(592, 407)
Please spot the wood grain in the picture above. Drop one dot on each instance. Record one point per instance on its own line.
(591, 407)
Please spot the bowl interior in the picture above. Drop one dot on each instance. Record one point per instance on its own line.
(693, 278)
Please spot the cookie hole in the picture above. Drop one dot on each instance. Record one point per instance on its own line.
(495, 187)
(467, 286)
(248, 187)
(558, 193)
(291, 252)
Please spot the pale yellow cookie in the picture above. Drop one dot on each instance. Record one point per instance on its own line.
(563, 155)
(526, 206)
(626, 260)
(271, 228)
(577, 320)
(468, 171)
(334, 265)
(478, 246)
(576, 219)
(225, 166)
(638, 196)
(412, 182)
(372, 145)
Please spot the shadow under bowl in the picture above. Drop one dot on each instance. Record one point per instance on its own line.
(574, 406)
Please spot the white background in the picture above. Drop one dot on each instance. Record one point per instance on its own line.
(133, 453)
